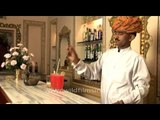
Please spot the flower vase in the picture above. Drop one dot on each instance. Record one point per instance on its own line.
(18, 74)
(26, 77)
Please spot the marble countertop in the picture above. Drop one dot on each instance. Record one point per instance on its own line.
(19, 93)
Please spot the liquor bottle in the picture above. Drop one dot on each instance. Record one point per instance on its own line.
(92, 35)
(86, 52)
(99, 50)
(89, 52)
(84, 33)
(100, 32)
(95, 53)
(89, 35)
(36, 67)
(95, 34)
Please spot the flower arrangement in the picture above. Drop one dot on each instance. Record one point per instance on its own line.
(17, 58)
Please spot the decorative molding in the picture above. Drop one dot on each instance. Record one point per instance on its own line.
(64, 33)
(26, 24)
(87, 19)
(145, 37)
(14, 26)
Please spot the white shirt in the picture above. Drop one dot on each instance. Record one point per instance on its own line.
(124, 76)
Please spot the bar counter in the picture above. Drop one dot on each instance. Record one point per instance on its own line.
(19, 93)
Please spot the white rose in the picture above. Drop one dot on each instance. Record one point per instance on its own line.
(15, 53)
(24, 49)
(11, 49)
(13, 62)
(23, 66)
(25, 57)
(3, 64)
(7, 55)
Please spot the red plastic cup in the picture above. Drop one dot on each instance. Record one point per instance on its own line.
(57, 81)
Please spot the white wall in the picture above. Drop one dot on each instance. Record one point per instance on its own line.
(151, 57)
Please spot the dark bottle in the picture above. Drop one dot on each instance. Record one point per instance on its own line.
(100, 32)
(86, 52)
(95, 34)
(95, 53)
(86, 34)
(36, 67)
(89, 35)
(92, 35)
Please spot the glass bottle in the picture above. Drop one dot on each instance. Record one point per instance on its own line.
(100, 32)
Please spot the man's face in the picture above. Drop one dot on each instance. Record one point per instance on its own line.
(122, 39)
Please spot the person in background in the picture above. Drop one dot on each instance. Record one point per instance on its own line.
(123, 72)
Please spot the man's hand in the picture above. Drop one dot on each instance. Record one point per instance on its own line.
(119, 102)
(72, 55)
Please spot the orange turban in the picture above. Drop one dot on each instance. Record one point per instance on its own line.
(128, 24)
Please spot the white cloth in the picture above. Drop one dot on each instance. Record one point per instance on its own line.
(124, 76)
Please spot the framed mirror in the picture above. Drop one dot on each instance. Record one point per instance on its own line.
(12, 27)
(64, 41)
(10, 35)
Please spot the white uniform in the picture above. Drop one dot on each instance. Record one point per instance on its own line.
(124, 76)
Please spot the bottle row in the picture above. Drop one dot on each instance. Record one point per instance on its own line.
(93, 52)
(91, 34)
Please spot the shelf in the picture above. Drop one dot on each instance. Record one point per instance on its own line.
(88, 42)
(53, 59)
(53, 46)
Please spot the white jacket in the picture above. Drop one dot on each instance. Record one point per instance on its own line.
(124, 76)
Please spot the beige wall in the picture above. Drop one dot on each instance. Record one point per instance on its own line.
(151, 57)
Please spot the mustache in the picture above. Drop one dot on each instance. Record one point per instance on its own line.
(116, 39)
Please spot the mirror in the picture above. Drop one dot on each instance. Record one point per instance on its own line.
(10, 35)
(64, 41)
(17, 27)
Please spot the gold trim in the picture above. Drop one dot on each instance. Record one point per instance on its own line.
(16, 27)
(144, 37)
(87, 19)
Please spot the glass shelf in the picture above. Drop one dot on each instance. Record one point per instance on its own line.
(89, 42)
